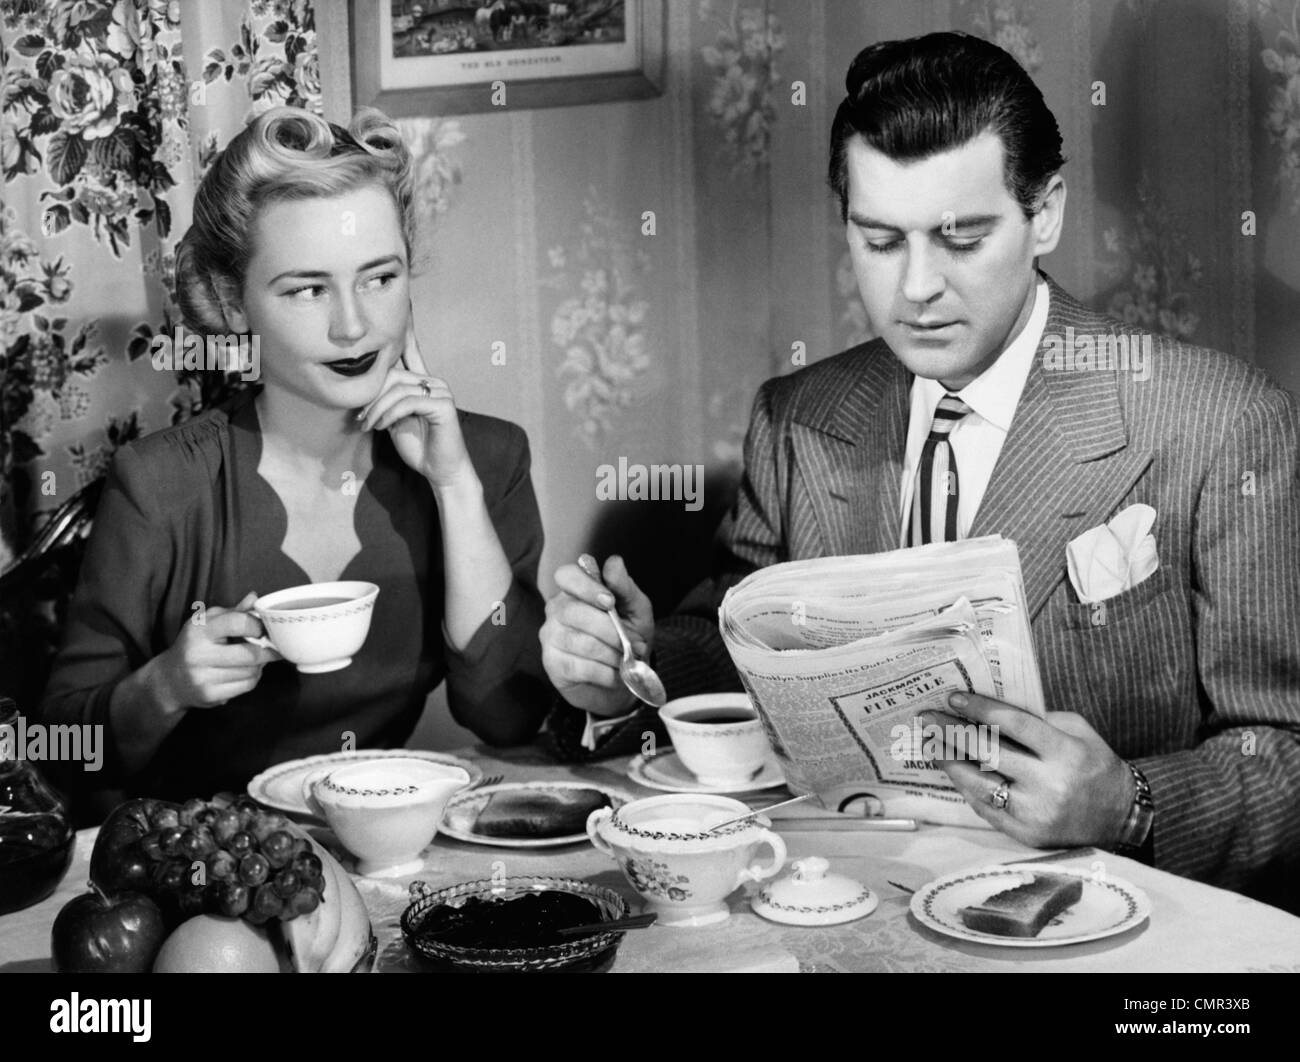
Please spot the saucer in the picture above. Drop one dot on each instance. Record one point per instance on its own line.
(280, 787)
(1108, 906)
(663, 770)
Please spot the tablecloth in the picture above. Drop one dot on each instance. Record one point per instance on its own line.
(1193, 927)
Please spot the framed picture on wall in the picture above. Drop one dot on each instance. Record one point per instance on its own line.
(438, 57)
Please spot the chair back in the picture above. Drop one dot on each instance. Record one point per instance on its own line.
(35, 591)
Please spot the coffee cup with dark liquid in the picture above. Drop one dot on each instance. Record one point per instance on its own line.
(318, 627)
(718, 737)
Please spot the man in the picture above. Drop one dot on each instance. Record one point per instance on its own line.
(1173, 731)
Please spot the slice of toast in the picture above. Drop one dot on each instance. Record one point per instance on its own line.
(1024, 910)
(538, 812)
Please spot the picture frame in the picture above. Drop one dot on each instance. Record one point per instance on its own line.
(549, 55)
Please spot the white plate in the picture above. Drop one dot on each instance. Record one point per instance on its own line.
(280, 787)
(462, 812)
(1109, 905)
(663, 770)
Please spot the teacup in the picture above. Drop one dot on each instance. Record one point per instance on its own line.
(317, 627)
(683, 872)
(384, 811)
(718, 736)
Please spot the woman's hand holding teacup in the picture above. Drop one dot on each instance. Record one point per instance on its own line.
(419, 413)
(209, 663)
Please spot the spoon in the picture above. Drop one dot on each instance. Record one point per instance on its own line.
(618, 924)
(759, 811)
(637, 675)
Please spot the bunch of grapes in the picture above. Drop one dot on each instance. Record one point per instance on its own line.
(229, 856)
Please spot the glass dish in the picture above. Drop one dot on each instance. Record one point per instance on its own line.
(593, 953)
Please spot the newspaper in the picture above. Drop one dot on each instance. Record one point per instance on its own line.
(839, 654)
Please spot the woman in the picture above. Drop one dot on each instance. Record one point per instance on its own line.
(348, 463)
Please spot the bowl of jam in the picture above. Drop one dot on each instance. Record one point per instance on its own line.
(512, 925)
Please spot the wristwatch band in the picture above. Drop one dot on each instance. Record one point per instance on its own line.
(1137, 827)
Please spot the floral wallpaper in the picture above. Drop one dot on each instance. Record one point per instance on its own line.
(1159, 274)
(599, 324)
(1007, 24)
(433, 142)
(853, 326)
(1282, 61)
(742, 63)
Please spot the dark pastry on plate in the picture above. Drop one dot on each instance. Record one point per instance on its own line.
(1024, 910)
(524, 813)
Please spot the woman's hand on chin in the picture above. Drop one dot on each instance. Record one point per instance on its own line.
(419, 413)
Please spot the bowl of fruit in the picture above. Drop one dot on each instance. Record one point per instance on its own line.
(212, 886)
(514, 925)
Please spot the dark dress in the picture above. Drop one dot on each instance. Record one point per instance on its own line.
(185, 518)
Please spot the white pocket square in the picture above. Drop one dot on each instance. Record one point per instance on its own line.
(1107, 560)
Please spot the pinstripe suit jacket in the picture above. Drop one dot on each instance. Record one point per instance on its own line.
(1195, 673)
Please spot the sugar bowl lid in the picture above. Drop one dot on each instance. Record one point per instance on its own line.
(809, 896)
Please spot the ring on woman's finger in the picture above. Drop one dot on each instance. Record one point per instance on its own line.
(427, 388)
(1001, 796)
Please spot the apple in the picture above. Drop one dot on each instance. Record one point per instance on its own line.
(119, 862)
(95, 933)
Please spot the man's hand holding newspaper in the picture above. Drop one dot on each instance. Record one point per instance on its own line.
(1064, 773)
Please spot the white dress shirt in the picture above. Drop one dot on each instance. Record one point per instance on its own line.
(977, 439)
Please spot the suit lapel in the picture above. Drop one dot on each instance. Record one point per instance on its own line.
(849, 437)
(1066, 462)
(883, 455)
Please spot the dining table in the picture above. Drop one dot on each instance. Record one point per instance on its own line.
(1192, 928)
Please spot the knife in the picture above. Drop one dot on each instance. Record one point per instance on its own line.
(1054, 857)
(846, 822)
(1051, 857)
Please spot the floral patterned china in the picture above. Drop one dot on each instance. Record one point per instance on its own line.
(683, 871)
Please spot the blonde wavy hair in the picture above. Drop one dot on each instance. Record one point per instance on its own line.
(285, 153)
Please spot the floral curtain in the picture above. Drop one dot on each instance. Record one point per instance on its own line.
(111, 111)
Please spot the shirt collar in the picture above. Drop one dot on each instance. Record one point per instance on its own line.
(994, 394)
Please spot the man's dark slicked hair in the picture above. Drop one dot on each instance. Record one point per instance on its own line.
(915, 98)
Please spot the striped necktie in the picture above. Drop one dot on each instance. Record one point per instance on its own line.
(934, 499)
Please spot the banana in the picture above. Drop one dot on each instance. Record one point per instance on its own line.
(336, 937)
(354, 938)
(311, 938)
